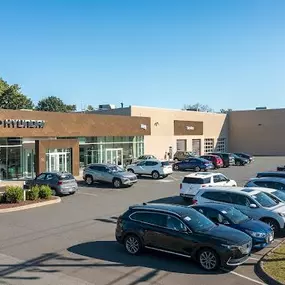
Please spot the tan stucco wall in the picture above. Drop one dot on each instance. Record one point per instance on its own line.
(259, 132)
(162, 134)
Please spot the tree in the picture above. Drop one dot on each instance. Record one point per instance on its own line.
(225, 111)
(54, 104)
(11, 97)
(90, 108)
(198, 107)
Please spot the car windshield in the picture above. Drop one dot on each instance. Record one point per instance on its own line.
(198, 222)
(116, 168)
(279, 194)
(264, 200)
(235, 216)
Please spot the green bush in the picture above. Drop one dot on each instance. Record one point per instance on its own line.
(33, 194)
(45, 192)
(14, 194)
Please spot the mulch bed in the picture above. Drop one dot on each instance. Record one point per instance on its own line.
(23, 203)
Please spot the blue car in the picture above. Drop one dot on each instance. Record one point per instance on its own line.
(261, 233)
(196, 164)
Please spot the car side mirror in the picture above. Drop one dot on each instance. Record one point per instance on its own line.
(253, 206)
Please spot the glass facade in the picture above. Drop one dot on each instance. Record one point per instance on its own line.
(17, 155)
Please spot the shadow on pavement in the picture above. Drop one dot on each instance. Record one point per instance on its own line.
(111, 251)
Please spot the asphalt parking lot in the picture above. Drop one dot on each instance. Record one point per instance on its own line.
(73, 242)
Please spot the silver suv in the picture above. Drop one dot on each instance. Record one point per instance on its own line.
(251, 201)
(109, 173)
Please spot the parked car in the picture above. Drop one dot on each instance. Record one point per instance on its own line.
(108, 173)
(196, 164)
(181, 155)
(245, 155)
(228, 158)
(251, 201)
(277, 195)
(152, 167)
(61, 183)
(182, 231)
(280, 174)
(240, 161)
(261, 233)
(267, 182)
(191, 183)
(215, 159)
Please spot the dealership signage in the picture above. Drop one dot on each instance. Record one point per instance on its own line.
(18, 124)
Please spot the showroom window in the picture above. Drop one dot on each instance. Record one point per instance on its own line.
(221, 145)
(208, 145)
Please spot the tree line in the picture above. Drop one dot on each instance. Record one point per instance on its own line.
(11, 97)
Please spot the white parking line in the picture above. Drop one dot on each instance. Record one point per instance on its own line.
(245, 277)
(253, 258)
(90, 194)
(174, 178)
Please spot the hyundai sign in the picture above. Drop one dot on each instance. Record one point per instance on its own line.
(30, 124)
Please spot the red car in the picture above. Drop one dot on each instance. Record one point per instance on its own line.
(215, 159)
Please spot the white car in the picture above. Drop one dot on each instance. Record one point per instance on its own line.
(191, 183)
(152, 167)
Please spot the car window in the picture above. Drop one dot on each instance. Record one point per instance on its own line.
(278, 186)
(93, 167)
(50, 176)
(165, 163)
(213, 215)
(142, 163)
(223, 178)
(41, 176)
(240, 199)
(216, 178)
(261, 184)
(279, 194)
(67, 176)
(174, 223)
(151, 163)
(217, 196)
(150, 218)
(197, 221)
(264, 200)
(192, 180)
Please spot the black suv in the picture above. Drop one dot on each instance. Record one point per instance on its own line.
(182, 231)
(228, 158)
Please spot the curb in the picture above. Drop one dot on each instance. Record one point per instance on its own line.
(31, 206)
(261, 272)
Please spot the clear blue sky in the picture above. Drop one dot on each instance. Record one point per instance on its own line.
(227, 54)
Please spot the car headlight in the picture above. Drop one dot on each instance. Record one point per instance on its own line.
(230, 246)
(256, 234)
(281, 214)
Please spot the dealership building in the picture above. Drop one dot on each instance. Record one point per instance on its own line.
(32, 141)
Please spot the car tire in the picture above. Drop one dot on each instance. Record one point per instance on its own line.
(208, 259)
(117, 183)
(273, 224)
(175, 167)
(54, 192)
(130, 170)
(176, 159)
(155, 175)
(133, 244)
(238, 163)
(89, 180)
(197, 169)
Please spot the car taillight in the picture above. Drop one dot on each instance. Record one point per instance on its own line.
(203, 185)
(180, 186)
(59, 183)
(194, 201)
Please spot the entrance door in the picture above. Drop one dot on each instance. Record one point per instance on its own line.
(114, 156)
(57, 162)
(28, 163)
(196, 146)
(181, 145)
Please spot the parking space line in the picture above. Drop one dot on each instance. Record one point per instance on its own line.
(174, 178)
(245, 277)
(90, 194)
(253, 258)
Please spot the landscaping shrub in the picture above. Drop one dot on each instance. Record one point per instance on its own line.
(33, 194)
(14, 194)
(45, 192)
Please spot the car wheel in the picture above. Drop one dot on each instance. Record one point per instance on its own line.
(131, 170)
(273, 224)
(176, 167)
(89, 180)
(54, 193)
(197, 169)
(238, 163)
(155, 175)
(208, 259)
(117, 183)
(133, 244)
